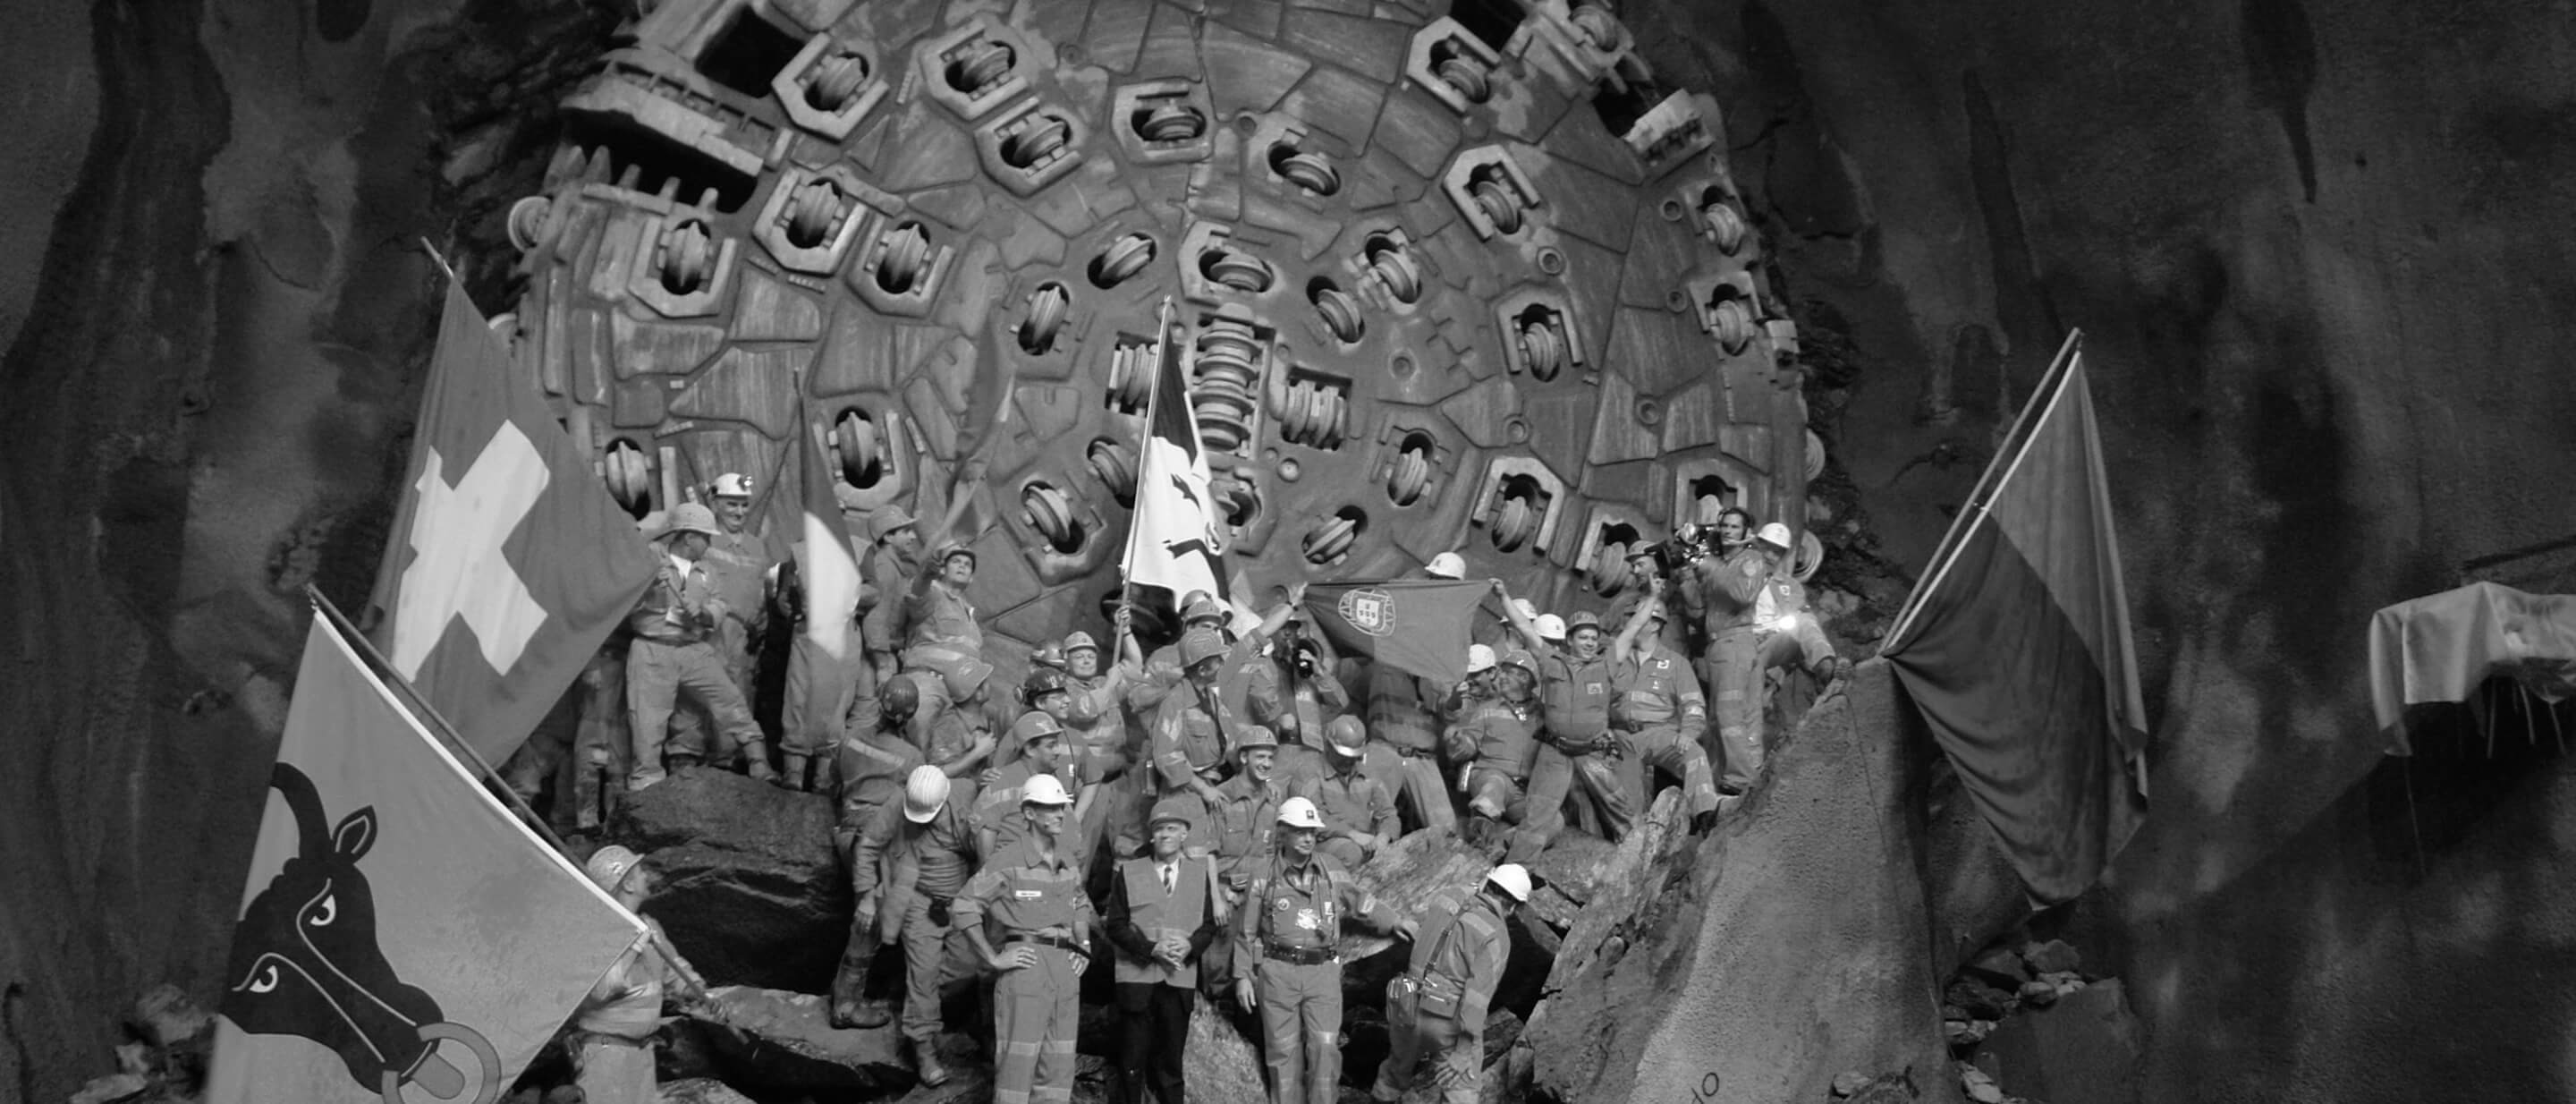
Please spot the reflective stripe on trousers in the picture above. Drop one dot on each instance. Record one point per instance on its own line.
(1733, 671)
(1301, 1028)
(1036, 1010)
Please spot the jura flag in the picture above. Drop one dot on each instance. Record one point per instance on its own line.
(825, 565)
(402, 936)
(1178, 538)
(1419, 626)
(2016, 648)
(508, 562)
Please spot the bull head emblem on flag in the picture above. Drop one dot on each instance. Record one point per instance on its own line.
(305, 962)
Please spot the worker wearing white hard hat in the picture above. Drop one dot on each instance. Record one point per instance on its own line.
(1447, 565)
(612, 1030)
(1287, 946)
(676, 653)
(912, 861)
(1030, 895)
(1437, 1009)
(738, 562)
(877, 765)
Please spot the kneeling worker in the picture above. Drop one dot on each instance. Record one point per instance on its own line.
(1162, 916)
(1437, 1009)
(1287, 946)
(1032, 893)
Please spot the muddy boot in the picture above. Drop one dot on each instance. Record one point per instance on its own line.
(798, 767)
(755, 760)
(925, 1064)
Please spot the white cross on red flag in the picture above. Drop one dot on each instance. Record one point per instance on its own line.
(508, 563)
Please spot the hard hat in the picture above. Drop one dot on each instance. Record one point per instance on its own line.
(1446, 565)
(924, 793)
(1512, 879)
(1200, 644)
(731, 485)
(884, 520)
(1297, 812)
(1520, 657)
(1584, 620)
(1346, 735)
(1042, 682)
(1479, 658)
(950, 550)
(1775, 534)
(1044, 789)
(609, 866)
(1551, 627)
(1036, 724)
(900, 699)
(1077, 641)
(966, 677)
(689, 517)
(1201, 607)
(1172, 809)
(1525, 608)
(1256, 736)
(1642, 550)
(1047, 656)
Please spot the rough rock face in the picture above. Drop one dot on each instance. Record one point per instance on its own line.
(751, 891)
(1787, 946)
(775, 1041)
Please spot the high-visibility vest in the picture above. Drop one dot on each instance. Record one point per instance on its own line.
(1160, 916)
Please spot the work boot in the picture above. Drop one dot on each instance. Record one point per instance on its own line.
(850, 1012)
(798, 767)
(925, 1064)
(755, 757)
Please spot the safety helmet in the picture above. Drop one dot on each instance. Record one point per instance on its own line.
(966, 678)
(1036, 724)
(1446, 565)
(1551, 627)
(1044, 789)
(1479, 658)
(1047, 655)
(950, 550)
(1077, 641)
(1202, 607)
(1525, 608)
(924, 793)
(731, 485)
(900, 699)
(1346, 735)
(609, 866)
(1584, 620)
(1513, 879)
(1297, 812)
(1520, 657)
(1775, 534)
(1256, 736)
(884, 520)
(1042, 682)
(1170, 809)
(689, 517)
(1200, 644)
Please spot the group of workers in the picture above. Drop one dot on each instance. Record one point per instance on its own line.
(1213, 798)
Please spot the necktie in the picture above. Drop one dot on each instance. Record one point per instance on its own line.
(1170, 883)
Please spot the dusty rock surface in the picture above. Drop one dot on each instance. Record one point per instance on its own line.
(776, 1041)
(751, 891)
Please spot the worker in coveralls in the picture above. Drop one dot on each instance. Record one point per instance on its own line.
(874, 764)
(1656, 707)
(1163, 915)
(912, 864)
(612, 1031)
(1437, 1009)
(1359, 815)
(1405, 720)
(1497, 737)
(1577, 747)
(1287, 946)
(674, 653)
(820, 688)
(1029, 900)
(738, 562)
(1727, 591)
(997, 819)
(886, 571)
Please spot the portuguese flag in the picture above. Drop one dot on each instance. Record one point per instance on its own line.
(2016, 648)
(1418, 626)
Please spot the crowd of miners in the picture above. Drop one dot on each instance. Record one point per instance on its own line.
(1193, 815)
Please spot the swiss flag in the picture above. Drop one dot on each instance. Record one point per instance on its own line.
(508, 562)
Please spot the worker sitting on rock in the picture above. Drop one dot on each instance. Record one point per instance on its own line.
(1042, 754)
(612, 1031)
(1577, 750)
(1163, 915)
(674, 653)
(1287, 965)
(1031, 895)
(1658, 709)
(1359, 815)
(1498, 740)
(874, 764)
(1437, 1009)
(913, 860)
(1788, 634)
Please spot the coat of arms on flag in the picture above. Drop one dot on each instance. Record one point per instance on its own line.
(1368, 609)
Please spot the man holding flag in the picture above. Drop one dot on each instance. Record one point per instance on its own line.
(1178, 538)
(819, 588)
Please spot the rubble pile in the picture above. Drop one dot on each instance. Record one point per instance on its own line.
(163, 1060)
(2024, 1012)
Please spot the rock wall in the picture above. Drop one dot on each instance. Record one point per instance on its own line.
(2318, 254)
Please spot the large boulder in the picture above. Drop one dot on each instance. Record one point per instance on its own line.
(773, 1040)
(1220, 1066)
(2087, 1046)
(1788, 946)
(750, 890)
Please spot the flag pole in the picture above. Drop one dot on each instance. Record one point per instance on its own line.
(1144, 443)
(2006, 459)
